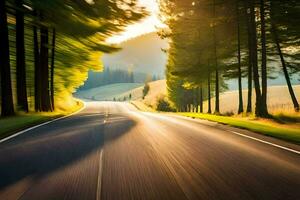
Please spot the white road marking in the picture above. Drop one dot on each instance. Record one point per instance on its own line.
(240, 134)
(43, 124)
(265, 142)
(99, 180)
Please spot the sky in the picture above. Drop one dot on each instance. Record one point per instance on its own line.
(146, 25)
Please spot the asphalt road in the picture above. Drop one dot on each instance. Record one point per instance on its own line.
(112, 151)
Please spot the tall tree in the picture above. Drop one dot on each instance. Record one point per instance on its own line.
(263, 57)
(209, 94)
(37, 69)
(201, 98)
(260, 110)
(52, 68)
(217, 90)
(44, 61)
(7, 106)
(240, 88)
(20, 58)
(278, 41)
(250, 55)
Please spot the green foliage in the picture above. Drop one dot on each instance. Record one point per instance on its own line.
(146, 89)
(82, 29)
(204, 38)
(164, 105)
(106, 77)
(269, 129)
(191, 53)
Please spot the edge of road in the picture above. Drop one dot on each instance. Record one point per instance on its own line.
(258, 137)
(43, 124)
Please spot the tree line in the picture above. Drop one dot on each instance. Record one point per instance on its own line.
(47, 47)
(216, 40)
(108, 76)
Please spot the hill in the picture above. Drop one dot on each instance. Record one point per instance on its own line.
(141, 54)
(122, 91)
(278, 100)
(107, 92)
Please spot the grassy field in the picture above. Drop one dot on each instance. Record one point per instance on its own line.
(20, 121)
(285, 123)
(278, 100)
(109, 92)
(121, 90)
(279, 127)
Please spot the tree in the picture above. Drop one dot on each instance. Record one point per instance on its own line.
(7, 106)
(20, 57)
(61, 58)
(241, 106)
(263, 56)
(290, 21)
(146, 90)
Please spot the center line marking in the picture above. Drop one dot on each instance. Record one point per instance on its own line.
(99, 180)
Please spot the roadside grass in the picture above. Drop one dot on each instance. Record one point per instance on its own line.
(142, 106)
(286, 117)
(21, 121)
(262, 126)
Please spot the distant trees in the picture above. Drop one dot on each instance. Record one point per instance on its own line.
(108, 76)
(211, 44)
(146, 89)
(53, 46)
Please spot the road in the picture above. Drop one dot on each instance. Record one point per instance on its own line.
(112, 151)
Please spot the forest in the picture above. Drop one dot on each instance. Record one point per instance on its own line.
(48, 47)
(212, 41)
(106, 77)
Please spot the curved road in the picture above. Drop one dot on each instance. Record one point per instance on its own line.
(112, 151)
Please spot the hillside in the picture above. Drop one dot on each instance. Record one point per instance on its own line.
(141, 54)
(122, 91)
(229, 99)
(108, 92)
(278, 100)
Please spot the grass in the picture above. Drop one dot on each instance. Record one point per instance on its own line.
(142, 106)
(278, 100)
(109, 92)
(21, 121)
(262, 126)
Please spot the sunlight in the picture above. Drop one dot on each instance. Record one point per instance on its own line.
(147, 25)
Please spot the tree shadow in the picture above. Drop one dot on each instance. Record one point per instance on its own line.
(286, 119)
(56, 145)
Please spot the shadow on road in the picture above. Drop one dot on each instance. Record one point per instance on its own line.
(57, 145)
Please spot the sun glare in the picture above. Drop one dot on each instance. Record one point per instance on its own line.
(147, 25)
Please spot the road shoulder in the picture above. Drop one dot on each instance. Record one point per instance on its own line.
(21, 123)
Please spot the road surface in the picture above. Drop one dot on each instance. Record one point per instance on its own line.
(112, 151)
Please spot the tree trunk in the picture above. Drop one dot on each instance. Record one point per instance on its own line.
(197, 99)
(217, 91)
(284, 68)
(259, 109)
(7, 106)
(249, 103)
(22, 100)
(241, 106)
(37, 71)
(263, 57)
(52, 69)
(208, 94)
(44, 56)
(201, 99)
